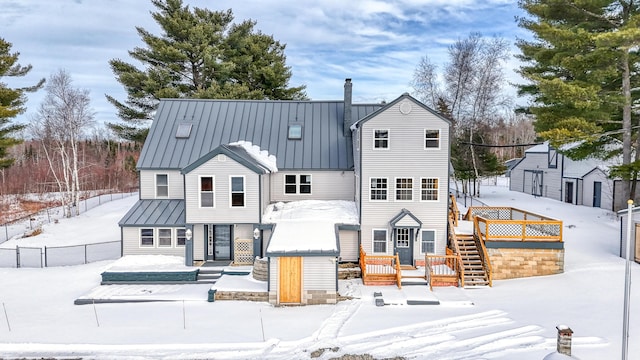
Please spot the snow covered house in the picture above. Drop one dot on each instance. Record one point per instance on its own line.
(543, 171)
(210, 170)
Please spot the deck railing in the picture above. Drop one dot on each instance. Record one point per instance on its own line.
(444, 270)
(510, 224)
(380, 269)
(484, 255)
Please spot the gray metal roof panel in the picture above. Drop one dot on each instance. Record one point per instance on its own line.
(155, 212)
(323, 146)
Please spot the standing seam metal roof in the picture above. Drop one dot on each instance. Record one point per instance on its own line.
(155, 212)
(323, 146)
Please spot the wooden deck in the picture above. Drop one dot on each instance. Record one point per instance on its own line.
(469, 234)
(380, 269)
(444, 270)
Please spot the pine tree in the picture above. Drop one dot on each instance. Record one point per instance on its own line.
(200, 54)
(12, 101)
(582, 67)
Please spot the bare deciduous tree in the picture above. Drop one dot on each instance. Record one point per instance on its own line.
(60, 123)
(472, 89)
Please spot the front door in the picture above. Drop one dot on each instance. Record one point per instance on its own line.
(597, 193)
(568, 195)
(290, 280)
(217, 242)
(404, 245)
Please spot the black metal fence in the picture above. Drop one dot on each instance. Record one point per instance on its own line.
(38, 257)
(47, 216)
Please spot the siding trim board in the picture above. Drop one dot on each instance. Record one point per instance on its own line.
(236, 153)
(404, 213)
(524, 245)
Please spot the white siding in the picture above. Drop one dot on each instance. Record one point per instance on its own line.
(131, 243)
(198, 242)
(407, 158)
(319, 273)
(274, 274)
(325, 185)
(521, 175)
(222, 213)
(148, 184)
(266, 237)
(349, 250)
(606, 195)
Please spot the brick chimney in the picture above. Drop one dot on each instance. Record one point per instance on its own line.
(347, 107)
(564, 340)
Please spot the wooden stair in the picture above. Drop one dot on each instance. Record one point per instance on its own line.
(474, 271)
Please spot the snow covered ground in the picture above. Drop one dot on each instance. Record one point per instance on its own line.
(515, 319)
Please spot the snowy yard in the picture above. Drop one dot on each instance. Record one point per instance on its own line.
(515, 319)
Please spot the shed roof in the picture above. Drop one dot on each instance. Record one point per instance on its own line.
(155, 212)
(323, 145)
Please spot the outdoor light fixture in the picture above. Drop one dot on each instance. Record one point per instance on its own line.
(256, 233)
(188, 234)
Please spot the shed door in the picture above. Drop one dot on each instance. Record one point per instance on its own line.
(568, 195)
(290, 280)
(597, 193)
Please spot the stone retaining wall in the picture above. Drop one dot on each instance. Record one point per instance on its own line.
(242, 295)
(510, 263)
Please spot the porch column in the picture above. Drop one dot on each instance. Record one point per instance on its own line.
(188, 247)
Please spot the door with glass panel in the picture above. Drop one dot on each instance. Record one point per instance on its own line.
(217, 242)
(404, 245)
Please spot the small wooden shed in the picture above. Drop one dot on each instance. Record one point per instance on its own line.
(303, 263)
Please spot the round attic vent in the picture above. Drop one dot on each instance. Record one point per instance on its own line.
(405, 107)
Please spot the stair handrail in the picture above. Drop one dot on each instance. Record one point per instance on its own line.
(453, 210)
(398, 271)
(486, 262)
(363, 263)
(454, 240)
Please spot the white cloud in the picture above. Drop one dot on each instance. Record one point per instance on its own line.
(377, 43)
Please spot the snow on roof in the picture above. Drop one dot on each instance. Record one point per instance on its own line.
(150, 263)
(308, 226)
(544, 147)
(262, 156)
(295, 236)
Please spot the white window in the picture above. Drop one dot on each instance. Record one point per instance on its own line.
(429, 189)
(404, 189)
(164, 237)
(431, 139)
(237, 191)
(380, 139)
(297, 184)
(379, 240)
(378, 189)
(181, 237)
(428, 241)
(162, 185)
(207, 196)
(146, 238)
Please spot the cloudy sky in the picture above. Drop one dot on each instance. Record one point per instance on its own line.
(377, 43)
